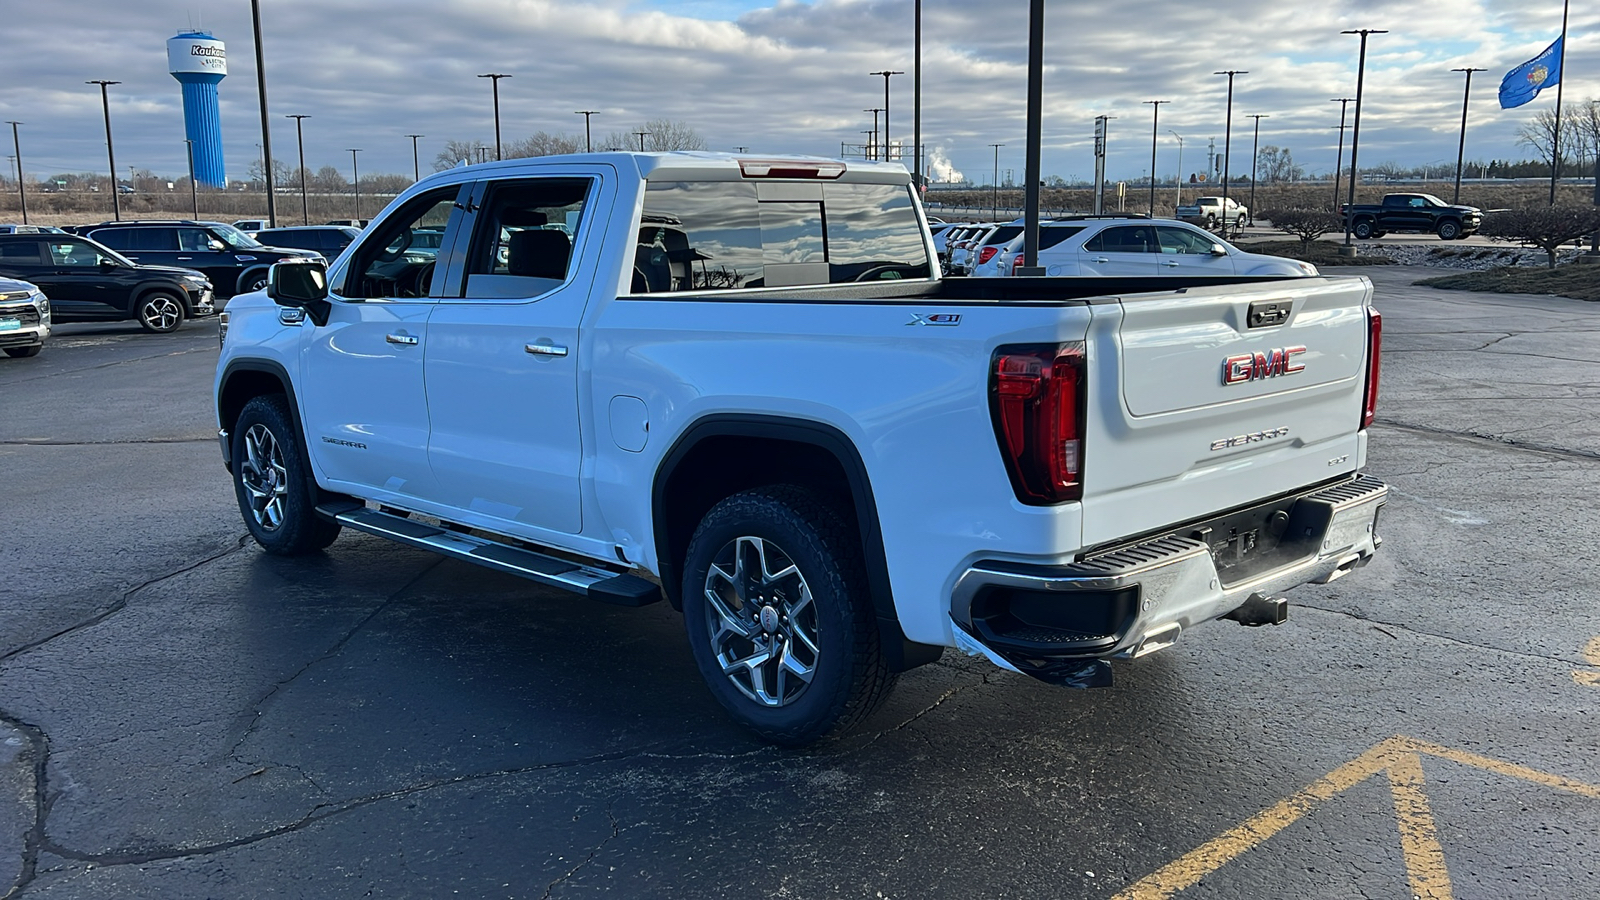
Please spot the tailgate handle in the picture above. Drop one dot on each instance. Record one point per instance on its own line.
(1267, 313)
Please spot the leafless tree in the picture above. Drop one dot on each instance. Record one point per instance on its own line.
(1539, 134)
(543, 143)
(1548, 228)
(454, 152)
(1275, 164)
(328, 180)
(660, 135)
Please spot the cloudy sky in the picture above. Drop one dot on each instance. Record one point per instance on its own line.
(785, 77)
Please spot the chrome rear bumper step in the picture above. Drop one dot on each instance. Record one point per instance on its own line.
(592, 582)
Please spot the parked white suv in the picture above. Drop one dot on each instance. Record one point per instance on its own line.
(1146, 247)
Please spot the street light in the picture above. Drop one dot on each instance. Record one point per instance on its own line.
(266, 132)
(916, 101)
(1155, 117)
(416, 165)
(642, 135)
(996, 195)
(300, 141)
(588, 142)
(111, 153)
(873, 146)
(494, 78)
(886, 73)
(1227, 145)
(356, 171)
(1338, 161)
(1177, 193)
(1255, 145)
(1461, 151)
(22, 194)
(1349, 249)
(194, 189)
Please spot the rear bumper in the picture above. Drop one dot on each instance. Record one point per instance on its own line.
(1058, 623)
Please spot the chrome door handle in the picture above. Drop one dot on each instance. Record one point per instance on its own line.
(186, 257)
(545, 349)
(406, 339)
(1100, 259)
(1172, 264)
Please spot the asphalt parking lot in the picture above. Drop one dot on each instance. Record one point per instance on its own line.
(182, 716)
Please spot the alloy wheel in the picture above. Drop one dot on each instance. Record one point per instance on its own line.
(161, 312)
(264, 476)
(762, 623)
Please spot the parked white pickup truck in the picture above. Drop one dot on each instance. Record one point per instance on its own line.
(739, 383)
(1213, 211)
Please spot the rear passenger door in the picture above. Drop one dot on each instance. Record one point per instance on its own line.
(502, 352)
(1120, 250)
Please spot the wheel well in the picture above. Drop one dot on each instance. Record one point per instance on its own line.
(147, 290)
(242, 387)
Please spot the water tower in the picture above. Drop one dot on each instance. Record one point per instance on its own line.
(199, 62)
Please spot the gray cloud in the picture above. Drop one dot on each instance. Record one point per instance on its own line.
(788, 78)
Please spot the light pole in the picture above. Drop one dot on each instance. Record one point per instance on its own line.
(1255, 145)
(1461, 151)
(916, 102)
(111, 153)
(873, 146)
(1349, 249)
(22, 194)
(1155, 118)
(266, 132)
(356, 171)
(1338, 161)
(300, 141)
(886, 73)
(416, 165)
(996, 194)
(588, 142)
(494, 79)
(1227, 144)
(642, 135)
(1177, 194)
(194, 189)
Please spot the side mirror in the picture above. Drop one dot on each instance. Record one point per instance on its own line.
(1218, 250)
(300, 284)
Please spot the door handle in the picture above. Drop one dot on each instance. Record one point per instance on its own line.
(406, 339)
(1100, 259)
(182, 257)
(545, 349)
(1172, 264)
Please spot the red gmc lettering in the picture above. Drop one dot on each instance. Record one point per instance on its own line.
(1254, 366)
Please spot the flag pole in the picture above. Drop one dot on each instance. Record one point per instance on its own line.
(1561, 67)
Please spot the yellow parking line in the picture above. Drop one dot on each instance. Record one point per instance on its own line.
(1400, 758)
(1591, 655)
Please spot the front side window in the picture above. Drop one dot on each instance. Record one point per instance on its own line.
(77, 253)
(195, 240)
(1182, 240)
(235, 238)
(524, 238)
(393, 261)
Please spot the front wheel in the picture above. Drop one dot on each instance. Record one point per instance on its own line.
(1239, 223)
(24, 352)
(252, 281)
(779, 616)
(1449, 230)
(273, 482)
(159, 312)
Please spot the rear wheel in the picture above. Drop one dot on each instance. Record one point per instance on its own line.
(1362, 229)
(1449, 230)
(160, 312)
(272, 481)
(779, 617)
(24, 352)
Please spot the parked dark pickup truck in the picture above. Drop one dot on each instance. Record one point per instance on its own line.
(1413, 212)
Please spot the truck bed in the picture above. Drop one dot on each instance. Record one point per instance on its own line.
(1075, 291)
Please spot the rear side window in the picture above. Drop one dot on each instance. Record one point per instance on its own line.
(134, 240)
(19, 253)
(1002, 235)
(523, 245)
(1049, 237)
(1124, 239)
(738, 234)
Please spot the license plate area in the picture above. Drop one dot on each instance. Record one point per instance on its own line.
(10, 324)
(1253, 541)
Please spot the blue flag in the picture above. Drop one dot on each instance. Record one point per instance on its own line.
(1524, 83)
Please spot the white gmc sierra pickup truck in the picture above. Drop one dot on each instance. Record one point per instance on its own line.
(739, 384)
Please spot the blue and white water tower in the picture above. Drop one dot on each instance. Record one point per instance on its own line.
(199, 61)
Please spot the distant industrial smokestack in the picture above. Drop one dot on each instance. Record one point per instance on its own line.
(199, 61)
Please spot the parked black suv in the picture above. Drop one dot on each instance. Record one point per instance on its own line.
(87, 281)
(329, 240)
(235, 262)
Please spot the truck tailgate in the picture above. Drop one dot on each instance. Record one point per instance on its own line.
(1208, 399)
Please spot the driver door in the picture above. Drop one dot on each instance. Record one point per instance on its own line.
(361, 375)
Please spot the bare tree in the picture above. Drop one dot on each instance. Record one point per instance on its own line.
(543, 143)
(1305, 224)
(1274, 164)
(281, 172)
(660, 135)
(328, 180)
(454, 152)
(1539, 134)
(1545, 228)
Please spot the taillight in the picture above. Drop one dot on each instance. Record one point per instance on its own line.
(1037, 400)
(1016, 263)
(1369, 409)
(987, 254)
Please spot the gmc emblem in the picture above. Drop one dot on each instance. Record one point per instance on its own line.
(1256, 366)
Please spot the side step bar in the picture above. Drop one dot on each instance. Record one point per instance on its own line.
(594, 583)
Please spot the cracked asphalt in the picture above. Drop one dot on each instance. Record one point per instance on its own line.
(182, 716)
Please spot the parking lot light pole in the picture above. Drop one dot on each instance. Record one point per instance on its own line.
(1461, 150)
(1338, 161)
(494, 78)
(356, 171)
(642, 135)
(111, 153)
(194, 189)
(22, 194)
(588, 140)
(1155, 120)
(416, 165)
(876, 152)
(1349, 249)
(1227, 144)
(996, 194)
(1255, 145)
(916, 102)
(300, 141)
(886, 155)
(1177, 193)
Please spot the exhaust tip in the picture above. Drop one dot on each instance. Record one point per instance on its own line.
(1261, 610)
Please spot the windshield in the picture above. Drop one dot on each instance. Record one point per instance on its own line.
(426, 239)
(236, 239)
